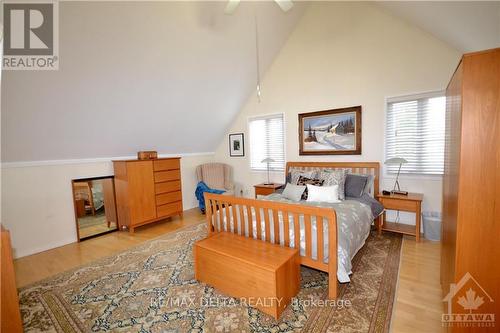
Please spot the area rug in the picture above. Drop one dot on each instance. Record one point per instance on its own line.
(151, 288)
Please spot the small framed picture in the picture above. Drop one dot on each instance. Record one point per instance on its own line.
(236, 145)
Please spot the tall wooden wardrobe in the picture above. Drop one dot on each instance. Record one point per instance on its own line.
(147, 191)
(470, 255)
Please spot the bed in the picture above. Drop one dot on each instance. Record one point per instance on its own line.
(326, 246)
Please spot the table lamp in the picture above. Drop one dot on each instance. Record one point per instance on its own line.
(267, 160)
(395, 161)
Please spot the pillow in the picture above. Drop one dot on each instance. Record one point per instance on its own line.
(323, 193)
(355, 185)
(304, 181)
(295, 175)
(293, 192)
(334, 177)
(369, 182)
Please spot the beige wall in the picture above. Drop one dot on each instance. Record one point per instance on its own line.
(37, 204)
(346, 54)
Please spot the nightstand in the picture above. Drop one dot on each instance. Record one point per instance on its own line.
(407, 203)
(264, 189)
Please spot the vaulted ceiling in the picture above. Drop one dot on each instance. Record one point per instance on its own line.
(172, 76)
(166, 76)
(466, 25)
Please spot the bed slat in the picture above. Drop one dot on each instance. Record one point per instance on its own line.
(320, 243)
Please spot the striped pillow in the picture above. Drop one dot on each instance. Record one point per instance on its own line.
(334, 177)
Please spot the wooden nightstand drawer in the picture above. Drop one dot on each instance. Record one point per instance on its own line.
(395, 204)
(263, 189)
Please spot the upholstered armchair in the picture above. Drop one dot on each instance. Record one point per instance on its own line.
(217, 176)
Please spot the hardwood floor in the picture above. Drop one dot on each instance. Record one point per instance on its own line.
(42, 265)
(417, 308)
(418, 304)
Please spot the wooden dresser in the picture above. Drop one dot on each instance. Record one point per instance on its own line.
(471, 191)
(147, 191)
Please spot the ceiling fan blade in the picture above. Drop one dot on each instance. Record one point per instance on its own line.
(285, 5)
(231, 6)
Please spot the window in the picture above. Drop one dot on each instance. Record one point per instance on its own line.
(415, 131)
(267, 139)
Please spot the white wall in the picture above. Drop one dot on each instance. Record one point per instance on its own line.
(37, 204)
(345, 54)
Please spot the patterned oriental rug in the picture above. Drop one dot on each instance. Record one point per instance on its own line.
(151, 288)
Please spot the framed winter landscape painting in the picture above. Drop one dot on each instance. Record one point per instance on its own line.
(236, 145)
(330, 132)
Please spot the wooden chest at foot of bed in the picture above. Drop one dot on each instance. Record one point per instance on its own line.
(264, 275)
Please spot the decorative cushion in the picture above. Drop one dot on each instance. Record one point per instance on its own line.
(293, 192)
(304, 181)
(334, 177)
(295, 175)
(323, 193)
(369, 182)
(355, 185)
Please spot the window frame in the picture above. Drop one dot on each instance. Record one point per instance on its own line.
(262, 116)
(400, 98)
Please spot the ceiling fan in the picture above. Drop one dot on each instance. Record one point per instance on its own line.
(285, 5)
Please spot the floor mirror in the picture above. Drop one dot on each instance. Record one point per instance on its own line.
(95, 206)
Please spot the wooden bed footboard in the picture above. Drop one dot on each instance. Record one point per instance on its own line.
(238, 214)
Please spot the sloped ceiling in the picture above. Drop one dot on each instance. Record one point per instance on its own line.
(167, 76)
(172, 76)
(466, 25)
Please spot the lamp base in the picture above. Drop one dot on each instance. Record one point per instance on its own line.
(268, 183)
(399, 192)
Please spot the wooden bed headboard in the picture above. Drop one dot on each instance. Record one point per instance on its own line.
(364, 168)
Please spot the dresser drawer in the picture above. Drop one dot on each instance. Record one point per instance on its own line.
(404, 205)
(162, 165)
(169, 209)
(168, 187)
(170, 197)
(164, 176)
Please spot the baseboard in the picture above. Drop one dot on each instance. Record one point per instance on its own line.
(27, 252)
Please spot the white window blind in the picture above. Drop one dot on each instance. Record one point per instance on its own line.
(267, 139)
(415, 129)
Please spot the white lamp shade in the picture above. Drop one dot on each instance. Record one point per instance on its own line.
(267, 160)
(396, 160)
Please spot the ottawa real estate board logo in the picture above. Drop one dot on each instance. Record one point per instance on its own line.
(31, 35)
(468, 305)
